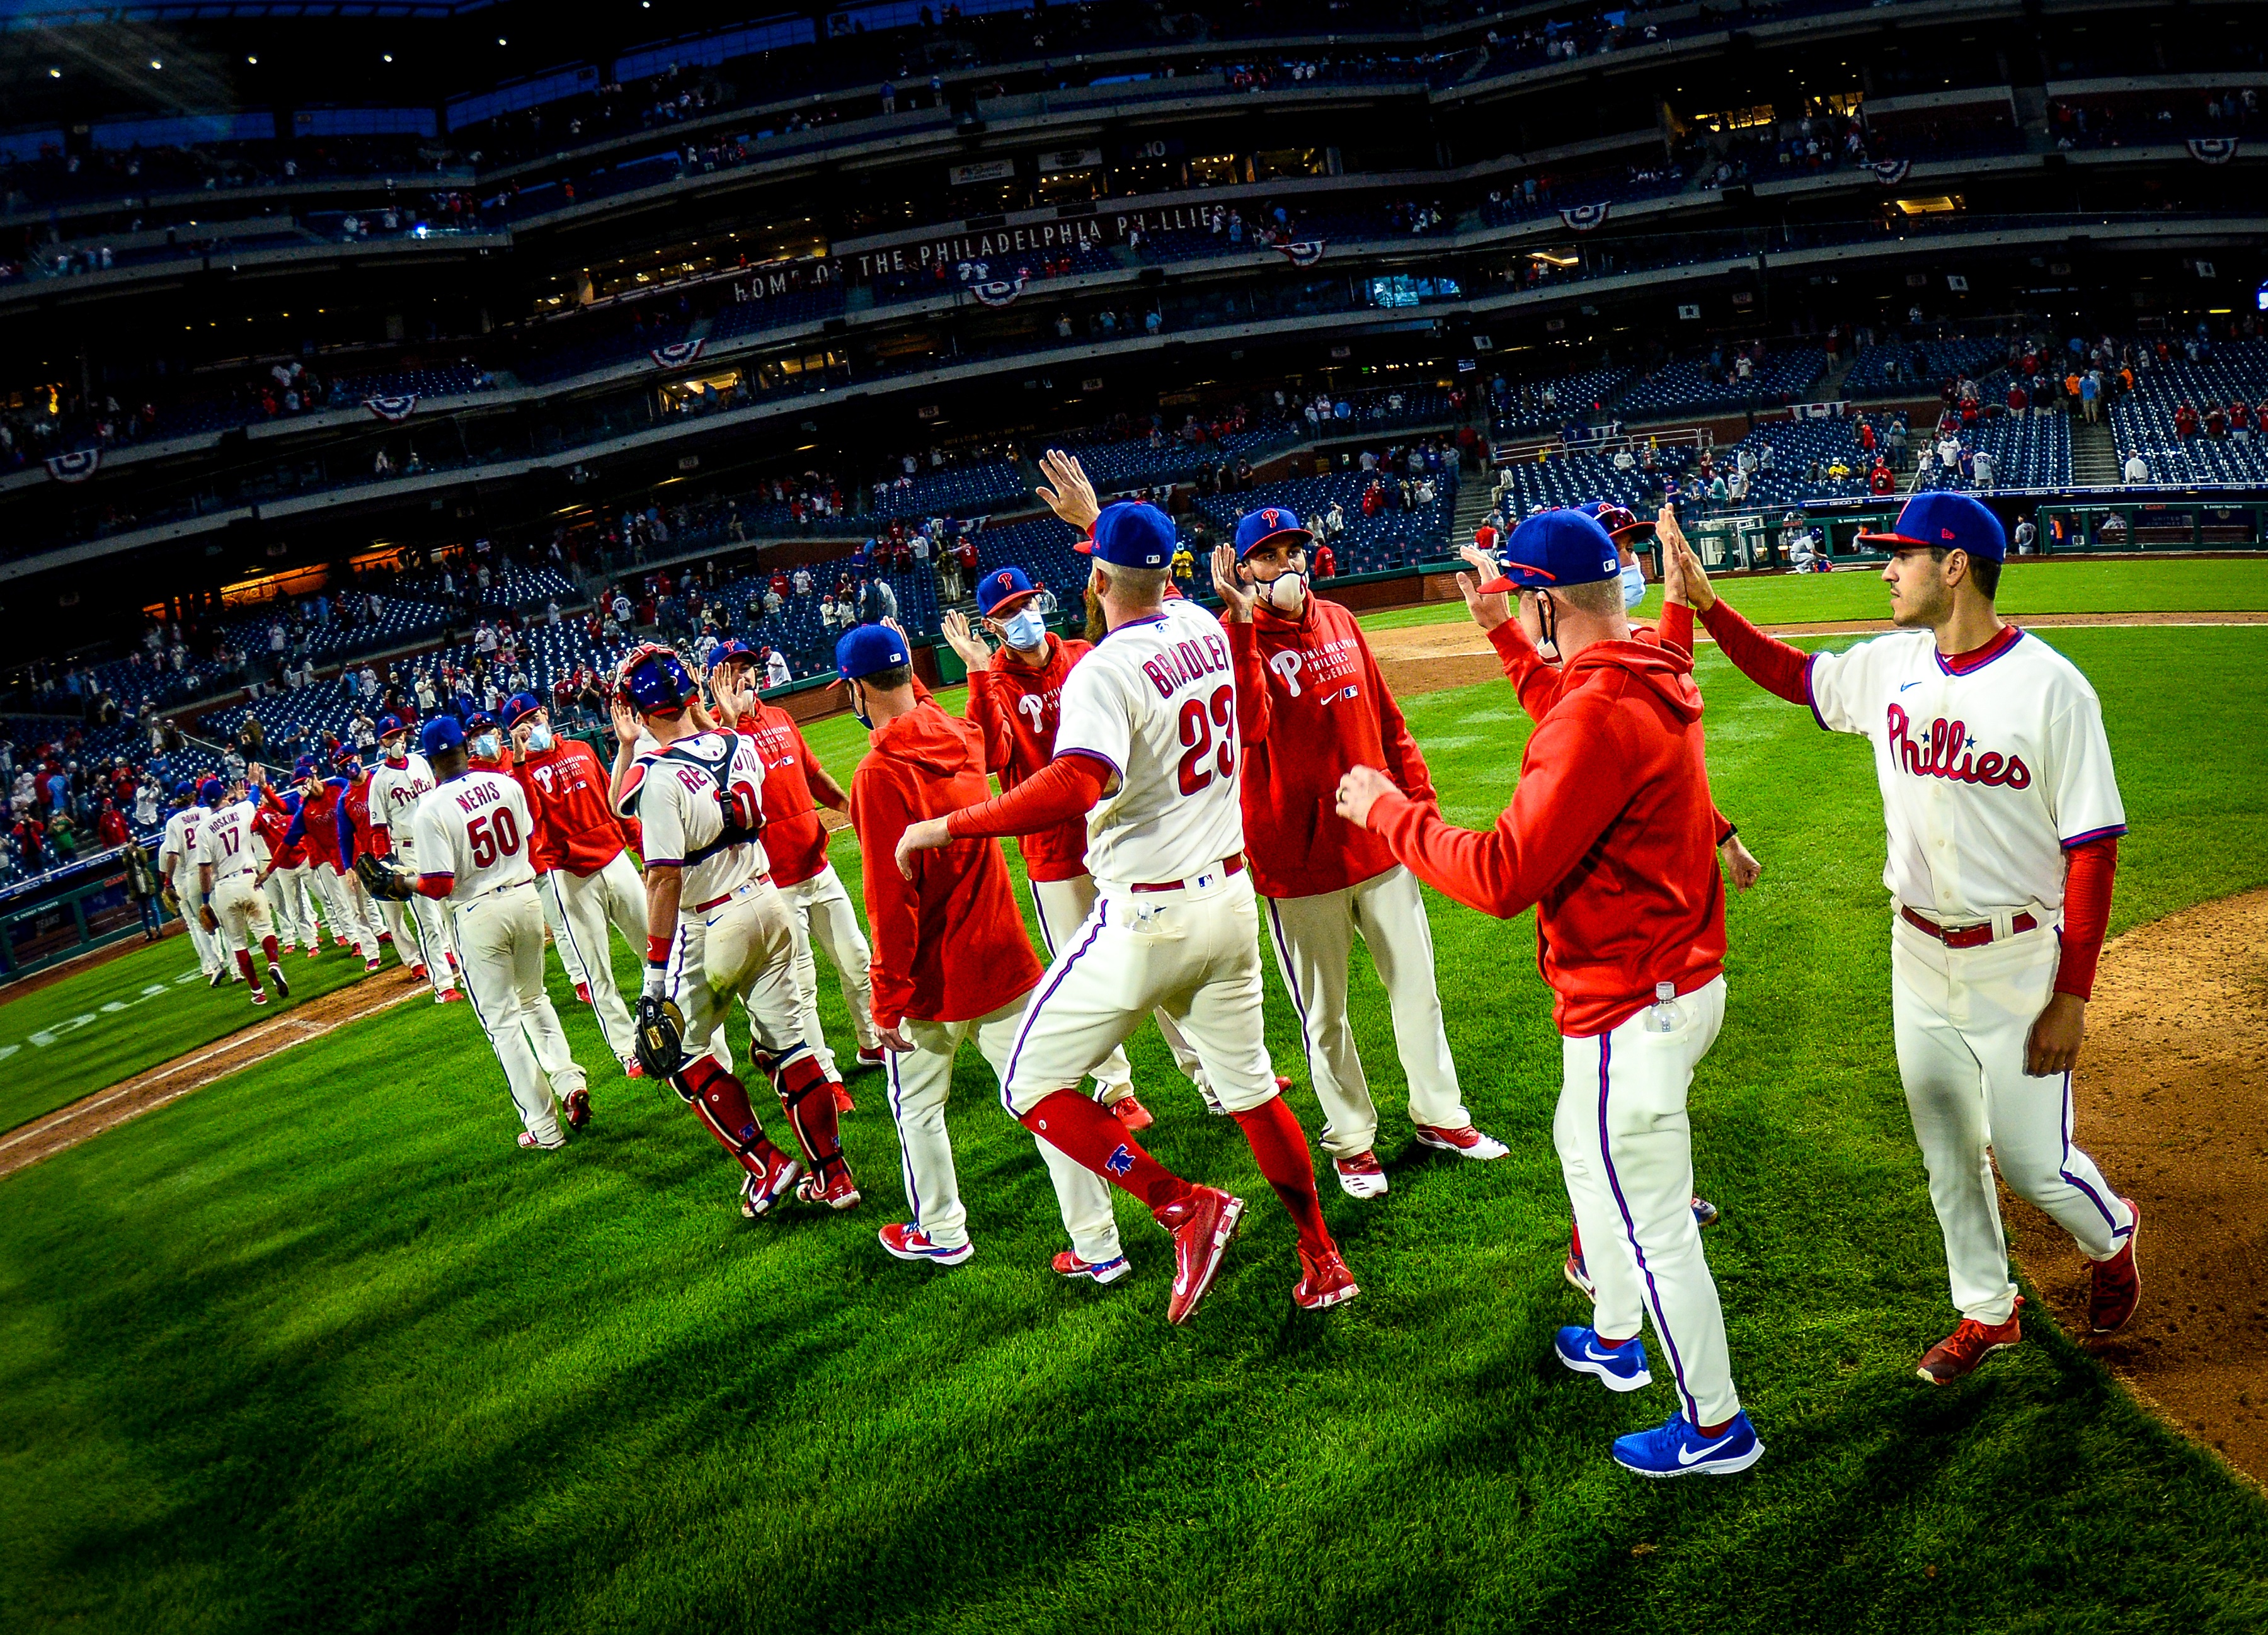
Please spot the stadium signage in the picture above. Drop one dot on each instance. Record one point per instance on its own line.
(1037, 237)
(779, 278)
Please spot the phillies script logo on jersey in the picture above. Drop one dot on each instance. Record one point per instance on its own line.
(1936, 755)
(1185, 662)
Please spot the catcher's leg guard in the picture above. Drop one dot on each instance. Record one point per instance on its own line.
(807, 1097)
(721, 1103)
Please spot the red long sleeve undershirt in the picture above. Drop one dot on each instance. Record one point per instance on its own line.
(1067, 787)
(1770, 663)
(2089, 870)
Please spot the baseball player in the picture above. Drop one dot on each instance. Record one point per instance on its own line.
(795, 840)
(1610, 836)
(471, 843)
(1311, 704)
(717, 930)
(354, 918)
(586, 873)
(951, 960)
(1147, 747)
(2004, 817)
(177, 865)
(488, 750)
(291, 903)
(1014, 698)
(230, 856)
(391, 794)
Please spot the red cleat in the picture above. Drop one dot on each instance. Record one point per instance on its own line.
(314, 953)
(1283, 1085)
(1960, 1352)
(369, 965)
(582, 992)
(760, 1192)
(633, 1068)
(578, 1106)
(1202, 1222)
(448, 996)
(842, 1102)
(836, 1192)
(385, 937)
(1068, 1264)
(2118, 1283)
(1131, 1113)
(1361, 1176)
(418, 970)
(1324, 1281)
(870, 1058)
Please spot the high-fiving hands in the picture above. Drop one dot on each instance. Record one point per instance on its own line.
(1073, 497)
(1237, 595)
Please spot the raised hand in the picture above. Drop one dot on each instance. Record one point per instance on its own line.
(962, 638)
(1490, 609)
(627, 726)
(1236, 593)
(1073, 497)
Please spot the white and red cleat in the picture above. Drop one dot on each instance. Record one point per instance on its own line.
(258, 996)
(314, 953)
(1067, 1265)
(2118, 1284)
(1324, 1281)
(1464, 1141)
(1959, 1353)
(528, 1143)
(369, 965)
(836, 1192)
(1202, 1222)
(1361, 1176)
(909, 1243)
(633, 1068)
(1131, 1113)
(874, 1057)
(418, 970)
(760, 1192)
(447, 996)
(577, 1104)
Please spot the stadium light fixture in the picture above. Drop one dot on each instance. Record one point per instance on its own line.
(55, 73)
(254, 62)
(388, 56)
(155, 64)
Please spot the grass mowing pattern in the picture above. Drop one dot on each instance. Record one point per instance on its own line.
(98, 1027)
(317, 1345)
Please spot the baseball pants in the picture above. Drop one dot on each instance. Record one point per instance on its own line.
(290, 906)
(211, 956)
(1962, 1017)
(588, 904)
(554, 920)
(354, 918)
(820, 910)
(1626, 1153)
(920, 1080)
(744, 950)
(421, 937)
(501, 933)
(1194, 953)
(1062, 906)
(241, 907)
(1314, 938)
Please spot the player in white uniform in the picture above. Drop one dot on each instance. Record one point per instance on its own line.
(2003, 815)
(1147, 747)
(397, 784)
(471, 846)
(230, 857)
(177, 866)
(717, 931)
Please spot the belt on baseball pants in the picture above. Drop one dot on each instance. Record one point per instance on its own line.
(1963, 936)
(1228, 866)
(718, 902)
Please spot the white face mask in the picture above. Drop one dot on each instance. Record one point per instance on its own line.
(539, 739)
(1633, 585)
(1286, 593)
(1024, 630)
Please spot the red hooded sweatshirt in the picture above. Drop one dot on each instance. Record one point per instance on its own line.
(1611, 835)
(949, 944)
(1018, 708)
(1310, 704)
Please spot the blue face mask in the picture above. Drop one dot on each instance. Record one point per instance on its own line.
(485, 746)
(1024, 631)
(1633, 585)
(539, 739)
(858, 707)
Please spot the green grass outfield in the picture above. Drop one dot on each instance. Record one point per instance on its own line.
(318, 1347)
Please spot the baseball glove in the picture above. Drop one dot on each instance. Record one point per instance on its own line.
(171, 899)
(206, 918)
(382, 877)
(660, 1037)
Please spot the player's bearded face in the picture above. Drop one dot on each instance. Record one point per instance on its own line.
(1097, 626)
(1919, 593)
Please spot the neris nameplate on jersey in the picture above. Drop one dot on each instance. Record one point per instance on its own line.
(1186, 662)
(472, 797)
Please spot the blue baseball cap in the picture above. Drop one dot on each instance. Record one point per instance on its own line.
(210, 790)
(865, 648)
(440, 733)
(1555, 549)
(388, 725)
(1132, 533)
(184, 790)
(1947, 521)
(725, 651)
(1620, 522)
(304, 768)
(1001, 587)
(1270, 522)
(518, 706)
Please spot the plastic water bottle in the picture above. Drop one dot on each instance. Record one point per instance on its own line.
(1665, 1015)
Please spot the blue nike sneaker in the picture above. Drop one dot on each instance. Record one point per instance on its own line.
(1677, 1449)
(1619, 1367)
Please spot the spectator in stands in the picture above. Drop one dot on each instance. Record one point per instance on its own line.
(775, 668)
(1184, 566)
(2137, 469)
(2186, 421)
(1879, 479)
(1981, 471)
(876, 601)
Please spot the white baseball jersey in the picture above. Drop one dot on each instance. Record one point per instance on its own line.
(1988, 773)
(226, 842)
(395, 793)
(475, 827)
(183, 830)
(673, 793)
(1157, 700)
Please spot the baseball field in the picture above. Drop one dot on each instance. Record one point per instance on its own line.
(317, 1346)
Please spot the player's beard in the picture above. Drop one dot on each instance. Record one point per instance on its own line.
(1097, 626)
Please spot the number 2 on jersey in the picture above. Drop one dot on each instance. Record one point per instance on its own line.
(495, 836)
(1199, 719)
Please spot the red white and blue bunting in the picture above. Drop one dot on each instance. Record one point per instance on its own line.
(677, 354)
(393, 408)
(1302, 251)
(76, 467)
(1891, 173)
(2212, 149)
(1583, 218)
(998, 291)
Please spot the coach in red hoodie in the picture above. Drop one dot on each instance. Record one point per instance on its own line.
(1610, 836)
(1310, 706)
(951, 960)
